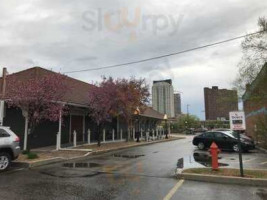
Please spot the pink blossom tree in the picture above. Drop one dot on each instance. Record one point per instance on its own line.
(112, 98)
(133, 94)
(39, 98)
(101, 101)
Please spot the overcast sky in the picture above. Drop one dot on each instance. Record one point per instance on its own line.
(66, 35)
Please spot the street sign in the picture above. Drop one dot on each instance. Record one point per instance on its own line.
(237, 121)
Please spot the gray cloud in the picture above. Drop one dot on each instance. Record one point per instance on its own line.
(52, 34)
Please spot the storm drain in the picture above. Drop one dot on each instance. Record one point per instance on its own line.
(128, 155)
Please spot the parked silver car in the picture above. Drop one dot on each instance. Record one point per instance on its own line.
(9, 147)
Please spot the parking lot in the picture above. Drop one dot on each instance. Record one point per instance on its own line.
(146, 172)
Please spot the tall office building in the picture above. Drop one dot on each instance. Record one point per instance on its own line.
(163, 97)
(177, 104)
(219, 102)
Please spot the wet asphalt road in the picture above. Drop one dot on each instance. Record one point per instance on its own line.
(138, 173)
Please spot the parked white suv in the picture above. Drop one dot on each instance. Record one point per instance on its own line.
(9, 147)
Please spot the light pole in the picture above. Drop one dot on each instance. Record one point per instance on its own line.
(166, 128)
(137, 113)
(186, 127)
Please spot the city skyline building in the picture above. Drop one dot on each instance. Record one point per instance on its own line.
(163, 97)
(177, 104)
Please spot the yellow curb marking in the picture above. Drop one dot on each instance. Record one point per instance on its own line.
(173, 190)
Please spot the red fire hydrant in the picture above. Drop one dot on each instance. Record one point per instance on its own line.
(214, 151)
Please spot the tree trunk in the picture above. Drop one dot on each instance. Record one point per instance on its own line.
(99, 135)
(31, 129)
(29, 140)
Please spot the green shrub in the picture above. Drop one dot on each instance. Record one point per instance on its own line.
(25, 152)
(32, 155)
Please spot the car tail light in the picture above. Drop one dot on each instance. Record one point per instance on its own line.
(16, 139)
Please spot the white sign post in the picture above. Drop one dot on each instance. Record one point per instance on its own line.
(237, 121)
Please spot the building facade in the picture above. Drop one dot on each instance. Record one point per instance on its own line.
(177, 104)
(255, 107)
(76, 119)
(163, 97)
(219, 102)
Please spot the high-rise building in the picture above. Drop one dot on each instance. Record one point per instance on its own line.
(177, 104)
(162, 97)
(219, 102)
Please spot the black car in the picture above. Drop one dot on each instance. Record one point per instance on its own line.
(224, 139)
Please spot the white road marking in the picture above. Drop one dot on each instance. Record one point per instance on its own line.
(263, 163)
(173, 190)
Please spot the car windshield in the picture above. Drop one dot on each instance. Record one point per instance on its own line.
(230, 134)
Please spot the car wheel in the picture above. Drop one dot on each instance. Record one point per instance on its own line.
(236, 148)
(201, 146)
(4, 161)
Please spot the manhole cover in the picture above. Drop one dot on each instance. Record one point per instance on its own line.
(232, 158)
(127, 155)
(81, 165)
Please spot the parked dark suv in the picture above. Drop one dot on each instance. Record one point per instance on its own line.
(9, 147)
(224, 139)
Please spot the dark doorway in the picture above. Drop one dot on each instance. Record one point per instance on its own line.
(77, 125)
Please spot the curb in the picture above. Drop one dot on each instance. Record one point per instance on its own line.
(60, 159)
(223, 179)
(128, 147)
(37, 163)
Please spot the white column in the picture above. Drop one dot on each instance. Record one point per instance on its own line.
(113, 132)
(2, 112)
(89, 136)
(74, 138)
(147, 136)
(59, 131)
(153, 134)
(121, 134)
(104, 135)
(141, 133)
(58, 141)
(26, 133)
(157, 133)
(70, 133)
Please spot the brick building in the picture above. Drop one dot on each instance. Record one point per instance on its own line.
(219, 102)
(255, 105)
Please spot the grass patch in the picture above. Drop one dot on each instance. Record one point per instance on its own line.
(31, 155)
(25, 152)
(228, 172)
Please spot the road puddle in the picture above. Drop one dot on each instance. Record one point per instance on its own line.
(81, 165)
(128, 155)
(262, 193)
(197, 160)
